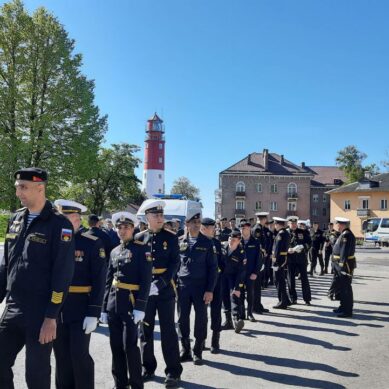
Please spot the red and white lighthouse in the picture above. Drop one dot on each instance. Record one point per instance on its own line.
(154, 163)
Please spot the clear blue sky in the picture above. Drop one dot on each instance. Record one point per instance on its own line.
(302, 78)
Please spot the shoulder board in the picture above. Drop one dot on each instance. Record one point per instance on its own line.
(21, 209)
(281, 231)
(140, 235)
(139, 242)
(87, 235)
(345, 232)
(170, 232)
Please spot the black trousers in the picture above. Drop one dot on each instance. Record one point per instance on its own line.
(16, 331)
(300, 267)
(231, 303)
(327, 257)
(281, 286)
(249, 294)
(267, 273)
(189, 295)
(216, 306)
(74, 365)
(314, 254)
(165, 306)
(126, 361)
(345, 292)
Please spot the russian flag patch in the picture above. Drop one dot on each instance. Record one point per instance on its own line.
(66, 235)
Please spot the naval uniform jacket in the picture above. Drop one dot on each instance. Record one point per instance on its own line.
(317, 239)
(198, 265)
(343, 254)
(254, 256)
(128, 279)
(88, 285)
(298, 237)
(280, 248)
(235, 264)
(164, 251)
(38, 262)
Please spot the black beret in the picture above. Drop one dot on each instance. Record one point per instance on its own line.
(93, 218)
(235, 234)
(244, 223)
(194, 217)
(34, 174)
(223, 219)
(207, 221)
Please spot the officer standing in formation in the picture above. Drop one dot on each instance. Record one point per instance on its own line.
(196, 279)
(330, 237)
(224, 232)
(344, 263)
(252, 248)
(82, 308)
(163, 246)
(279, 257)
(317, 244)
(234, 275)
(208, 229)
(94, 229)
(35, 275)
(126, 293)
(297, 261)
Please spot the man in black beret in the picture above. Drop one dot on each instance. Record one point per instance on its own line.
(35, 275)
(95, 230)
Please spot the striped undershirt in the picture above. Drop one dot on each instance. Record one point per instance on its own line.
(191, 241)
(31, 217)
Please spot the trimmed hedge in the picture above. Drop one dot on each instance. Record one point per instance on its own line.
(3, 226)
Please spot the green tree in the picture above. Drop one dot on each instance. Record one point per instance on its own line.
(47, 113)
(112, 184)
(350, 160)
(183, 186)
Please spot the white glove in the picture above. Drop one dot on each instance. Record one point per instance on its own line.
(104, 318)
(153, 289)
(262, 267)
(275, 268)
(90, 324)
(299, 248)
(291, 250)
(137, 316)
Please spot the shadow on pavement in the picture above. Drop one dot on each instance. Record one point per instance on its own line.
(287, 362)
(287, 379)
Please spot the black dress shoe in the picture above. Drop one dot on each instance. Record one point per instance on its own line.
(307, 303)
(251, 318)
(293, 302)
(337, 310)
(264, 310)
(171, 382)
(280, 306)
(344, 314)
(197, 360)
(148, 376)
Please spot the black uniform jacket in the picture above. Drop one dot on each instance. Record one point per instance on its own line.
(317, 239)
(280, 248)
(264, 236)
(298, 237)
(218, 251)
(235, 264)
(88, 285)
(343, 254)
(198, 265)
(164, 251)
(104, 237)
(254, 256)
(38, 262)
(128, 279)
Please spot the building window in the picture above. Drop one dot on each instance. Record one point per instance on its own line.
(315, 198)
(384, 204)
(324, 211)
(160, 146)
(240, 205)
(258, 205)
(347, 204)
(324, 198)
(292, 189)
(273, 188)
(273, 205)
(240, 186)
(314, 212)
(159, 176)
(160, 159)
(259, 188)
(292, 206)
(365, 204)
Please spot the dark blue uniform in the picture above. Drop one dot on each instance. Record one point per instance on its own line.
(297, 263)
(344, 263)
(317, 244)
(105, 238)
(197, 275)
(35, 276)
(164, 250)
(279, 257)
(330, 237)
(223, 234)
(254, 258)
(216, 304)
(234, 276)
(115, 241)
(127, 288)
(75, 367)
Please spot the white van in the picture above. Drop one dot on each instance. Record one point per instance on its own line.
(176, 207)
(376, 230)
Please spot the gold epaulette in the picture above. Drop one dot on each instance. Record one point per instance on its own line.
(139, 242)
(87, 235)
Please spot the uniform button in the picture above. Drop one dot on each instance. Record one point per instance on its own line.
(153, 250)
(154, 241)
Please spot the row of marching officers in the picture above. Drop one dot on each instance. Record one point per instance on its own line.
(56, 283)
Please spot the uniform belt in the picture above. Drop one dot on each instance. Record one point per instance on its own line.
(283, 253)
(79, 289)
(159, 270)
(123, 285)
(349, 257)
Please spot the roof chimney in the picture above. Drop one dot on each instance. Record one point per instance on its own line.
(303, 165)
(282, 160)
(265, 159)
